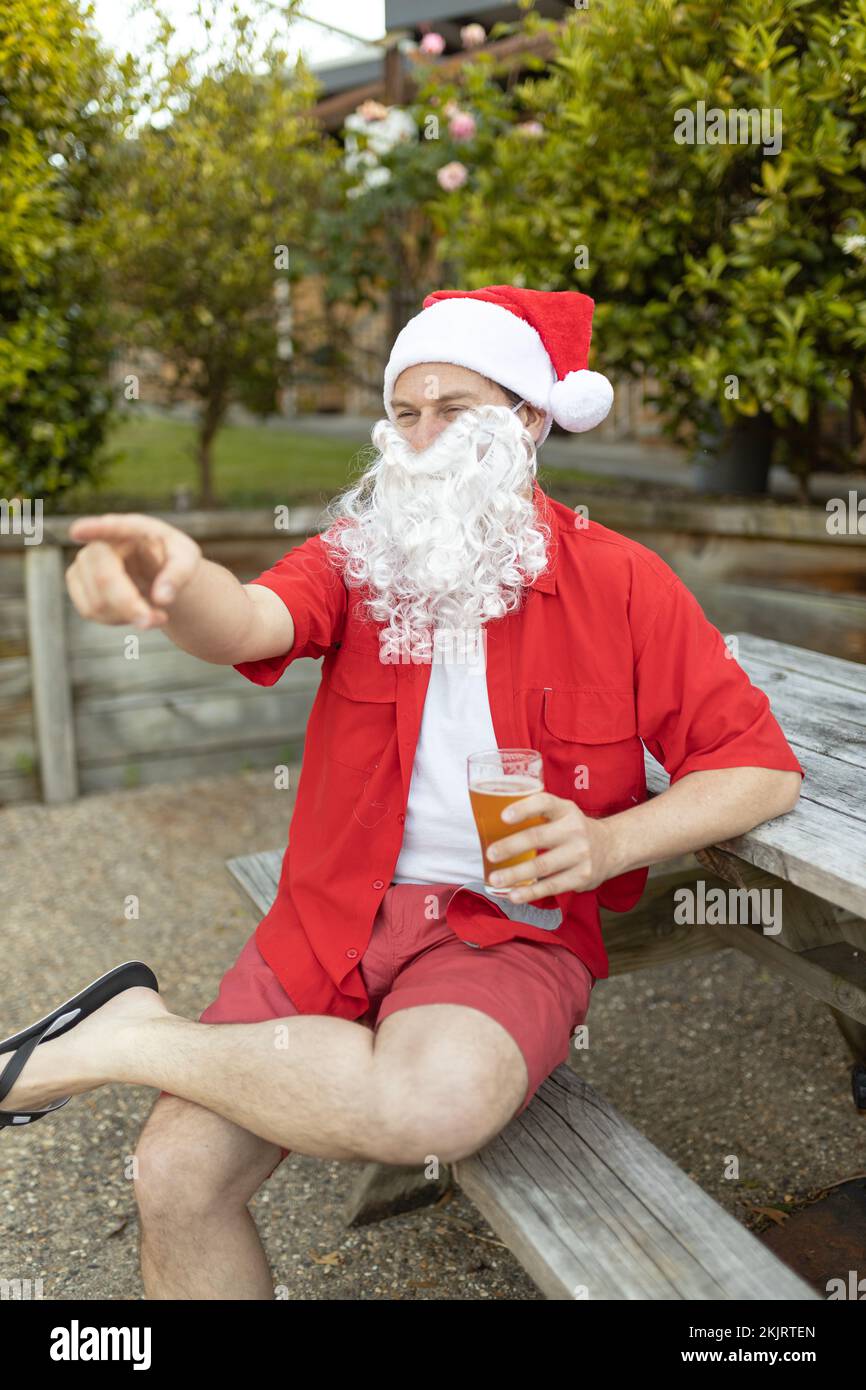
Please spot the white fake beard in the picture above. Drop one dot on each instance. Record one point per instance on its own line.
(445, 538)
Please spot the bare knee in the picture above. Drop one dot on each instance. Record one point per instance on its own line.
(427, 1110)
(191, 1163)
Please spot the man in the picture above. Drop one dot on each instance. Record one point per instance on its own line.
(387, 1007)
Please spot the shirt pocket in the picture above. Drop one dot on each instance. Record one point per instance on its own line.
(591, 750)
(360, 717)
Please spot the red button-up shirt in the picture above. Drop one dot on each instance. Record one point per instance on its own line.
(608, 649)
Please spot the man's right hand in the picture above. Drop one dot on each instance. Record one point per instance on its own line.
(130, 569)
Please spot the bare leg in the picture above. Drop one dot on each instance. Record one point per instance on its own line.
(305, 1082)
(196, 1173)
(455, 1078)
(440, 1079)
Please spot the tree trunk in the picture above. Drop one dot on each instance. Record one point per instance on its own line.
(209, 423)
(402, 292)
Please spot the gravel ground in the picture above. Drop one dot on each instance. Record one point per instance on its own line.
(709, 1058)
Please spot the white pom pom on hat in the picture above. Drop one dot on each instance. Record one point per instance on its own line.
(581, 400)
(534, 342)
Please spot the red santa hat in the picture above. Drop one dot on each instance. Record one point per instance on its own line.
(535, 342)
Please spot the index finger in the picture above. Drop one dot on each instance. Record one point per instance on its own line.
(535, 804)
(118, 526)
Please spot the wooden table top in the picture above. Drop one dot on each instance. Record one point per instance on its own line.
(820, 702)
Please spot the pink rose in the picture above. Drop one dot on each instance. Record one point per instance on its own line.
(452, 176)
(472, 34)
(530, 128)
(433, 43)
(372, 110)
(462, 126)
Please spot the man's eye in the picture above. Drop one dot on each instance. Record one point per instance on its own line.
(405, 415)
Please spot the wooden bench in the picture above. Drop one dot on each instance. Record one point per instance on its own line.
(586, 1203)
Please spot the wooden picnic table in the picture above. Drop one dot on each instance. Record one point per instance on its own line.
(815, 855)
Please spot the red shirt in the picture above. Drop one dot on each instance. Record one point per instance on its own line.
(608, 648)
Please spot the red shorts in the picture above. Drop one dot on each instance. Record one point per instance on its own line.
(538, 991)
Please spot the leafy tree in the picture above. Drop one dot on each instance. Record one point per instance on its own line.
(59, 105)
(377, 239)
(373, 242)
(218, 190)
(735, 278)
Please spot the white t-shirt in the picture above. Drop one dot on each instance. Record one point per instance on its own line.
(440, 841)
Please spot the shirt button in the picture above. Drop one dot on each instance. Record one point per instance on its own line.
(378, 883)
(401, 818)
(351, 953)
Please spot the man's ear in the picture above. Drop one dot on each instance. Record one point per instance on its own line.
(533, 418)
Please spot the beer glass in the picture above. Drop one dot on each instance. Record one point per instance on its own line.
(496, 779)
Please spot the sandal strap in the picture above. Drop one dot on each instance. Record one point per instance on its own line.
(24, 1116)
(18, 1061)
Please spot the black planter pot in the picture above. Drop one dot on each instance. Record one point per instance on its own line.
(735, 458)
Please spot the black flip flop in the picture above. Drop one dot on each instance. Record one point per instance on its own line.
(127, 976)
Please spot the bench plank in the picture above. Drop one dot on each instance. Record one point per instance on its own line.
(257, 876)
(587, 1203)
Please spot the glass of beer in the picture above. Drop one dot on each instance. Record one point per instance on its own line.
(496, 779)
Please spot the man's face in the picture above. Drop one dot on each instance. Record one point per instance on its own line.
(443, 526)
(429, 396)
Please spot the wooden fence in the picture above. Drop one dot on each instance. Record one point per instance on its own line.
(754, 566)
(85, 707)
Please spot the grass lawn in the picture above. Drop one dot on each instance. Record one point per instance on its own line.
(254, 466)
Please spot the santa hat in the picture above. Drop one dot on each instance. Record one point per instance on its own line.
(535, 342)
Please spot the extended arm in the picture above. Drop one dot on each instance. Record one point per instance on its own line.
(139, 570)
(218, 619)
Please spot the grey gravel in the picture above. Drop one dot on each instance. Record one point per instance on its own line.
(709, 1058)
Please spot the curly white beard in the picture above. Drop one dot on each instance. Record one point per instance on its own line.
(443, 539)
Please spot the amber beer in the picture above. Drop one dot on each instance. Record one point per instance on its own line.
(496, 780)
